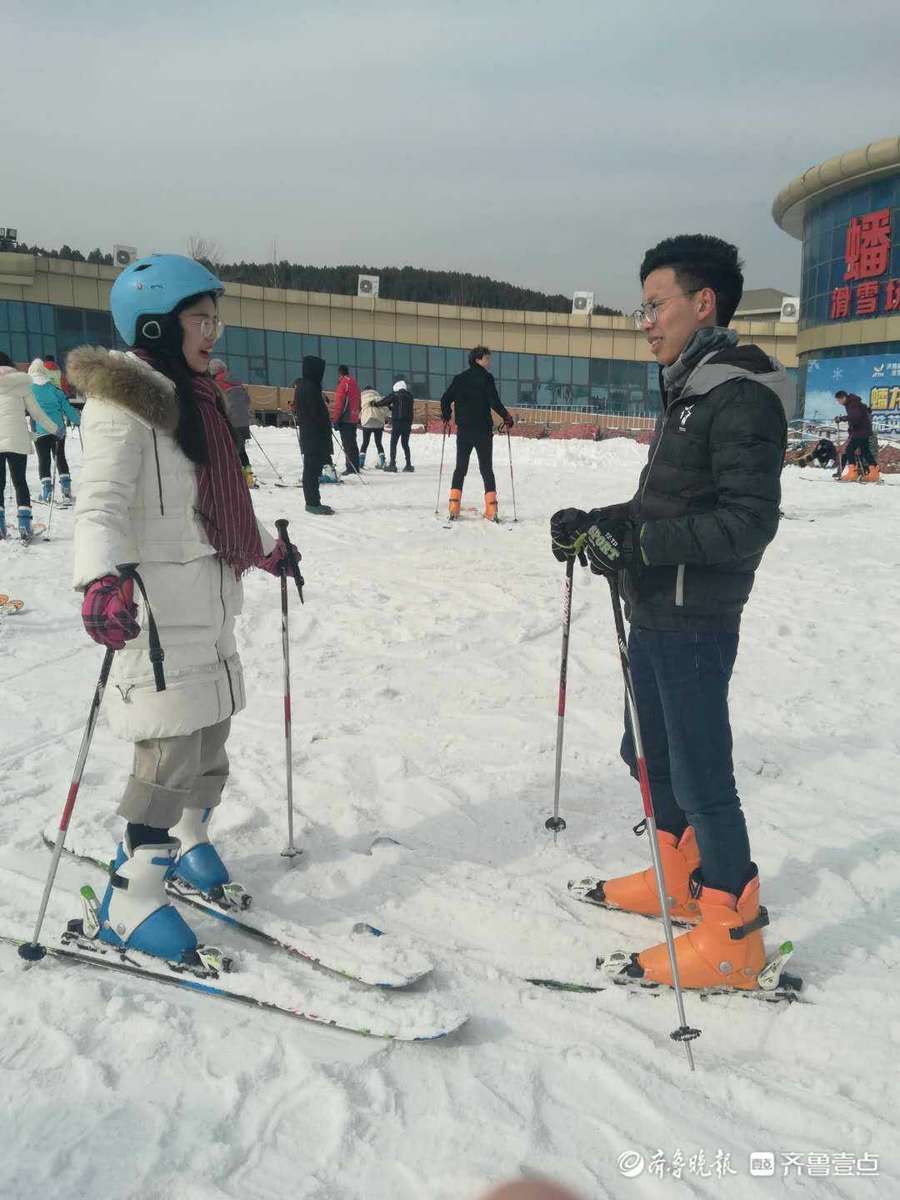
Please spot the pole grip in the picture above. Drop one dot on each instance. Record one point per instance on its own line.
(282, 526)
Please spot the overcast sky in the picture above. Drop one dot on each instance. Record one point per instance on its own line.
(544, 143)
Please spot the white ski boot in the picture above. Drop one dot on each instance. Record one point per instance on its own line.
(135, 913)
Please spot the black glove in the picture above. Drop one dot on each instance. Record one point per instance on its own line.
(566, 535)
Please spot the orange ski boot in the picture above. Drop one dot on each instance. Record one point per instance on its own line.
(872, 475)
(490, 506)
(725, 950)
(850, 474)
(455, 500)
(638, 893)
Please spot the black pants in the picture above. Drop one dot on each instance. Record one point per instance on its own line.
(400, 433)
(45, 446)
(17, 464)
(482, 442)
(313, 462)
(367, 437)
(860, 446)
(241, 438)
(348, 441)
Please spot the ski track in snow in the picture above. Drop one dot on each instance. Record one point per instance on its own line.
(425, 668)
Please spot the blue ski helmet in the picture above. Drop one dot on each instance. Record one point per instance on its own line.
(156, 285)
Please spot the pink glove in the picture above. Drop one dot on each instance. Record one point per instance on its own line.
(108, 611)
(273, 560)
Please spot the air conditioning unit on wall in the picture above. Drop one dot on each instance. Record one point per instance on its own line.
(123, 256)
(367, 285)
(790, 308)
(583, 302)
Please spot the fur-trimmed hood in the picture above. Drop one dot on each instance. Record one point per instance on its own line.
(124, 380)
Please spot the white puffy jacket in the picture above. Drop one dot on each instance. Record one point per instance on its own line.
(137, 503)
(16, 397)
(371, 417)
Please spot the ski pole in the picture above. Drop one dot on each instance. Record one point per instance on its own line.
(33, 951)
(684, 1033)
(340, 446)
(52, 496)
(440, 471)
(512, 482)
(284, 482)
(556, 822)
(290, 850)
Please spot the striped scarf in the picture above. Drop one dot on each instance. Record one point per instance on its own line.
(224, 501)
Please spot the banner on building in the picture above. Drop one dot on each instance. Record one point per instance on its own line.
(873, 377)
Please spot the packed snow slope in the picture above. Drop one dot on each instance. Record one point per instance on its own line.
(425, 667)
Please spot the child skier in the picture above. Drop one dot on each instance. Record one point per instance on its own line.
(45, 383)
(162, 486)
(16, 402)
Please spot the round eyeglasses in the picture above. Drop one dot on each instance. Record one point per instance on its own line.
(647, 314)
(210, 328)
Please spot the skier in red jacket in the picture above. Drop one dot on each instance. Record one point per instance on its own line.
(345, 417)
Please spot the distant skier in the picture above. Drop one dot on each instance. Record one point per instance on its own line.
(17, 401)
(238, 409)
(345, 417)
(45, 383)
(313, 430)
(372, 417)
(402, 404)
(685, 550)
(161, 484)
(473, 396)
(823, 453)
(857, 463)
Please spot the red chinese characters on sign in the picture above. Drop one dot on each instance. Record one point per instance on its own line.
(867, 254)
(868, 245)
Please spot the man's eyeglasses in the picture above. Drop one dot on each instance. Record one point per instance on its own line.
(648, 313)
(210, 328)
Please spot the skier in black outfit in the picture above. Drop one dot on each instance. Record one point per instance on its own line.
(314, 427)
(685, 551)
(401, 404)
(473, 394)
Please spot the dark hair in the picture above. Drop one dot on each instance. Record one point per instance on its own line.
(476, 353)
(840, 395)
(701, 261)
(5, 360)
(342, 370)
(167, 356)
(49, 357)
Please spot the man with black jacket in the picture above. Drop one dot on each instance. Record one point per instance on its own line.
(401, 404)
(473, 394)
(314, 430)
(685, 550)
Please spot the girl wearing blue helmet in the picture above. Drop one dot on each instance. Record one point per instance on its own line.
(162, 486)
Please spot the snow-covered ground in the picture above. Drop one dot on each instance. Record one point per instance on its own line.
(425, 666)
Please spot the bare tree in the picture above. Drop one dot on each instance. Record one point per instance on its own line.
(205, 250)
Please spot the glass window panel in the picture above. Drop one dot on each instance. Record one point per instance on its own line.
(347, 351)
(33, 318)
(18, 347)
(599, 393)
(418, 384)
(384, 380)
(437, 385)
(581, 394)
(4, 315)
(509, 391)
(526, 367)
(544, 367)
(365, 354)
(292, 369)
(97, 325)
(16, 316)
(274, 344)
(237, 367)
(68, 320)
(456, 361)
(47, 325)
(384, 355)
(236, 340)
(401, 358)
(256, 343)
(330, 351)
(418, 356)
(509, 366)
(526, 392)
(5, 343)
(256, 371)
(436, 359)
(292, 350)
(580, 370)
(545, 395)
(40, 344)
(562, 369)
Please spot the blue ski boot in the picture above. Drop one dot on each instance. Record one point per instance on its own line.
(135, 913)
(381, 460)
(65, 486)
(46, 491)
(25, 530)
(199, 865)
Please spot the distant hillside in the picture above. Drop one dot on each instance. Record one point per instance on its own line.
(397, 283)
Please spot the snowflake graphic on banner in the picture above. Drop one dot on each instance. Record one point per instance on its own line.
(837, 373)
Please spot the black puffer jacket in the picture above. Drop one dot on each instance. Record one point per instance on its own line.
(310, 409)
(473, 394)
(401, 404)
(707, 500)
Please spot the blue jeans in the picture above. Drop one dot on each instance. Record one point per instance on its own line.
(681, 690)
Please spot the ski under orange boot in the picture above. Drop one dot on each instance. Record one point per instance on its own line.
(638, 893)
(490, 506)
(724, 950)
(455, 501)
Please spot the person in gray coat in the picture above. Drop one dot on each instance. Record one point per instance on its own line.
(238, 409)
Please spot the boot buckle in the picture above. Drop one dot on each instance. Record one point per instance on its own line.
(760, 921)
